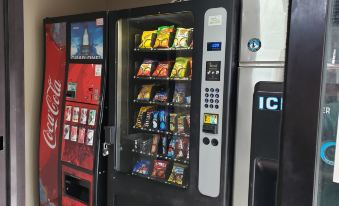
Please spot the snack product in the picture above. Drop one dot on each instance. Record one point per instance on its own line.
(177, 174)
(140, 116)
(145, 92)
(159, 169)
(162, 70)
(181, 37)
(163, 36)
(163, 120)
(171, 147)
(142, 167)
(181, 148)
(155, 121)
(173, 122)
(146, 39)
(161, 95)
(146, 68)
(179, 93)
(155, 143)
(180, 68)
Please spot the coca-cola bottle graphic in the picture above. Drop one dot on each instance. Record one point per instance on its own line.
(85, 47)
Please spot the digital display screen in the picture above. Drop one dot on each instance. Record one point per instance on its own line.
(213, 46)
(211, 119)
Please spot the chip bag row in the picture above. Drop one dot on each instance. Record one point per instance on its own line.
(160, 94)
(181, 68)
(162, 38)
(160, 170)
(176, 147)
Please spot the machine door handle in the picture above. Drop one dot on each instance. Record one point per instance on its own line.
(263, 183)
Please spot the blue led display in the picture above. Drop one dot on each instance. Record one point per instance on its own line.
(213, 46)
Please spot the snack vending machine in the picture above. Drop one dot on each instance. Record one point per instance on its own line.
(70, 167)
(171, 98)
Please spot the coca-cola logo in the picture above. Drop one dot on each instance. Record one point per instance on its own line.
(53, 94)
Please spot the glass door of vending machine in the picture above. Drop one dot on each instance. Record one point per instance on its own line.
(154, 86)
(167, 104)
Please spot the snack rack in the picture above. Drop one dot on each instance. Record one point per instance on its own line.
(138, 160)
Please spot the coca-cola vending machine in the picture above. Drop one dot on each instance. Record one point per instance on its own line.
(70, 167)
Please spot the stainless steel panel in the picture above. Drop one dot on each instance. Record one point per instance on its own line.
(248, 77)
(267, 21)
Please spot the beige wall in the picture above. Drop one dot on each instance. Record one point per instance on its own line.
(34, 12)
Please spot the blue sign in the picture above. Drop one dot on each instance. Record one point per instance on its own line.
(327, 152)
(270, 103)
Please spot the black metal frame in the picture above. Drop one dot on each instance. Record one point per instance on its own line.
(305, 51)
(13, 65)
(100, 162)
(131, 189)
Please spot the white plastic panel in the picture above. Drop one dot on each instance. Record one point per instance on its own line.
(212, 91)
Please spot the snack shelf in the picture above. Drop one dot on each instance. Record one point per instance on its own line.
(170, 104)
(183, 161)
(163, 49)
(160, 180)
(153, 131)
(162, 79)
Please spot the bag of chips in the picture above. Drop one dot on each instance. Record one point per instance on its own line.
(180, 68)
(173, 122)
(146, 68)
(181, 124)
(163, 36)
(188, 121)
(162, 70)
(181, 148)
(163, 120)
(142, 167)
(179, 93)
(171, 147)
(147, 39)
(140, 116)
(159, 169)
(163, 145)
(155, 121)
(177, 174)
(148, 118)
(145, 92)
(161, 95)
(181, 37)
(155, 143)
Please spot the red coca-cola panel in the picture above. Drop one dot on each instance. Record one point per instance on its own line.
(83, 179)
(51, 112)
(79, 132)
(84, 83)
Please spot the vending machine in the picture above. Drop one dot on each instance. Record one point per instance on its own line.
(259, 103)
(171, 104)
(70, 167)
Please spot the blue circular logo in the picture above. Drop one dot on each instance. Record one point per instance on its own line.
(254, 45)
(327, 152)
